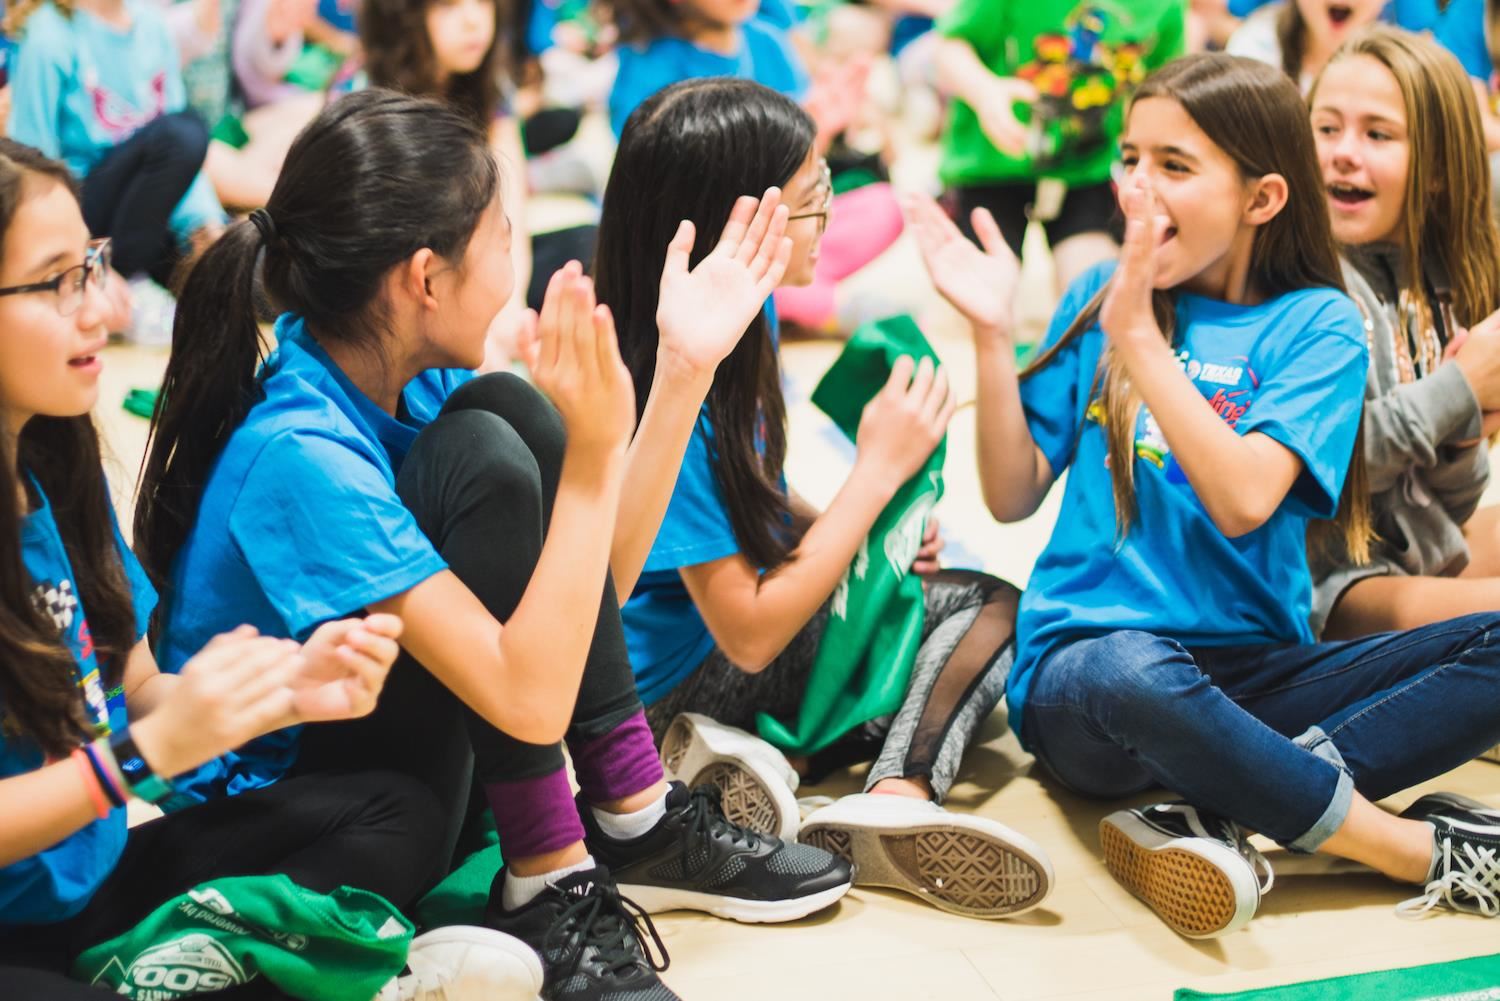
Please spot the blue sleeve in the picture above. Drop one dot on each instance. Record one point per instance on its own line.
(781, 13)
(321, 528)
(1053, 396)
(1459, 26)
(643, 71)
(142, 594)
(1311, 399)
(1240, 8)
(696, 528)
(37, 86)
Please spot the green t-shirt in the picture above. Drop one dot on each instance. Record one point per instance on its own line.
(1084, 58)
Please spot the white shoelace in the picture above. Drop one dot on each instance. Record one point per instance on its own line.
(1231, 835)
(1473, 873)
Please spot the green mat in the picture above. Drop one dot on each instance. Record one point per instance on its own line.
(1476, 979)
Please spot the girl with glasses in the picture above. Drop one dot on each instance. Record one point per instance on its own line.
(727, 617)
(89, 721)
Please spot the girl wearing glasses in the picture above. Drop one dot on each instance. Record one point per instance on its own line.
(727, 616)
(86, 719)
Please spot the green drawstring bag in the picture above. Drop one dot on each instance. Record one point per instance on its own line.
(340, 946)
(1476, 979)
(864, 661)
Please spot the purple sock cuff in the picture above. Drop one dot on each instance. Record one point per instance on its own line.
(534, 816)
(621, 763)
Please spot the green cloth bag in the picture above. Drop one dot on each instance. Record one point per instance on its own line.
(461, 897)
(864, 661)
(340, 946)
(1476, 979)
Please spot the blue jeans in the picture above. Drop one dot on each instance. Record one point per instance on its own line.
(1275, 737)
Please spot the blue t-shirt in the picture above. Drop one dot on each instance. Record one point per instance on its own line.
(1292, 368)
(82, 87)
(664, 632)
(299, 524)
(57, 883)
(765, 55)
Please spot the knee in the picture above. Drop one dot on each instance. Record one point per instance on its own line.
(181, 136)
(519, 404)
(1123, 677)
(396, 802)
(472, 453)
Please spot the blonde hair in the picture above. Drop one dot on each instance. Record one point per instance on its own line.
(1255, 114)
(1448, 233)
(20, 12)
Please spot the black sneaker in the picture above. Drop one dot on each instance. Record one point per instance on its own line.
(695, 859)
(1467, 874)
(1195, 870)
(589, 937)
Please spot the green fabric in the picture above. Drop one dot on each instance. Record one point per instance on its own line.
(314, 68)
(1476, 979)
(230, 130)
(141, 402)
(342, 946)
(460, 898)
(865, 657)
(1083, 57)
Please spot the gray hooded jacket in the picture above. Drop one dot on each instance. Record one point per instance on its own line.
(1423, 486)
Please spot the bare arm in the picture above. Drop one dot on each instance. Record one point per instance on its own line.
(753, 617)
(701, 316)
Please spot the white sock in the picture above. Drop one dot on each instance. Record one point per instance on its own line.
(628, 826)
(518, 891)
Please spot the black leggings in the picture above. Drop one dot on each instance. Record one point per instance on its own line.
(371, 830)
(130, 195)
(480, 481)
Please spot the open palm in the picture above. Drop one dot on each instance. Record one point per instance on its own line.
(981, 284)
(703, 313)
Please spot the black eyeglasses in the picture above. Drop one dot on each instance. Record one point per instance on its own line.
(69, 286)
(825, 185)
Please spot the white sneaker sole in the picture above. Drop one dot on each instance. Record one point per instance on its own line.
(1200, 888)
(656, 899)
(956, 862)
(757, 782)
(511, 970)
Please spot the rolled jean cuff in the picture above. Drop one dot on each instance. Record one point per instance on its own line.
(1318, 742)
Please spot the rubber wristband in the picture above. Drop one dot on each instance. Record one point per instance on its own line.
(109, 778)
(140, 780)
(91, 783)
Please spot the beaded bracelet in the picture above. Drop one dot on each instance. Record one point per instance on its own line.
(91, 782)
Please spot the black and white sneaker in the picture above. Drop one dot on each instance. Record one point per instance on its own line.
(1198, 872)
(696, 859)
(591, 940)
(1466, 875)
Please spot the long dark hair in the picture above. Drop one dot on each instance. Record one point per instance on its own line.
(399, 55)
(1256, 115)
(38, 678)
(375, 178)
(689, 152)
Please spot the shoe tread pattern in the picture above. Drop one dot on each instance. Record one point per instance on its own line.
(1188, 892)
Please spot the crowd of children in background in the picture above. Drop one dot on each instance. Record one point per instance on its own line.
(381, 590)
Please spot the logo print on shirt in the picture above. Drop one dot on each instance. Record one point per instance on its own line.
(118, 116)
(58, 602)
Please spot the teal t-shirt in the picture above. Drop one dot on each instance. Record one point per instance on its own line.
(56, 883)
(1292, 368)
(1084, 58)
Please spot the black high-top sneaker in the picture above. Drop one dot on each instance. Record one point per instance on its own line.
(1466, 876)
(1197, 871)
(696, 859)
(592, 941)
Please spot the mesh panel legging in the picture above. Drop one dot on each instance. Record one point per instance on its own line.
(958, 679)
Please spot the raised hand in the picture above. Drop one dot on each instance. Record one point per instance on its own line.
(702, 314)
(344, 667)
(1126, 313)
(905, 421)
(996, 111)
(1477, 353)
(574, 357)
(981, 284)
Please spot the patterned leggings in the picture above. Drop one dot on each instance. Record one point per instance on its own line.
(958, 678)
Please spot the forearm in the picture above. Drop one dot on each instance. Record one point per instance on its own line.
(655, 457)
(784, 601)
(960, 73)
(42, 808)
(1227, 471)
(1013, 475)
(545, 643)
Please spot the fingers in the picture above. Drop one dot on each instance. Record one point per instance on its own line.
(546, 326)
(900, 377)
(680, 250)
(1137, 256)
(528, 342)
(574, 301)
(990, 237)
(760, 225)
(235, 635)
(921, 385)
(379, 650)
(384, 624)
(738, 224)
(773, 255)
(606, 341)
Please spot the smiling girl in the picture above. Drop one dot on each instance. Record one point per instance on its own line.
(1205, 399)
(1300, 36)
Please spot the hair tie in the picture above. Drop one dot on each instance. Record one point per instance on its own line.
(265, 224)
